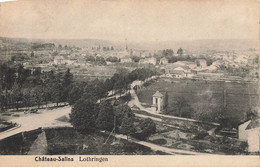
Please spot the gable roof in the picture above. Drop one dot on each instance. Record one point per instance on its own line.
(254, 124)
(157, 94)
(180, 68)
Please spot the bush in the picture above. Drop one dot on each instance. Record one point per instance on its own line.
(147, 127)
(159, 141)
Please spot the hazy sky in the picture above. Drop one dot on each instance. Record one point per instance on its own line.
(136, 20)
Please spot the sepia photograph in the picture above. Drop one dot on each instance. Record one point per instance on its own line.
(85, 79)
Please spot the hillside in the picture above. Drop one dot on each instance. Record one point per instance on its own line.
(195, 45)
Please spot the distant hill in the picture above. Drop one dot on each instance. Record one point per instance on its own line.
(213, 44)
(195, 45)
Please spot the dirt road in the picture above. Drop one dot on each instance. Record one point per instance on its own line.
(46, 118)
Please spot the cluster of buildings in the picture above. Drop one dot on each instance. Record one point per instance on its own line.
(188, 69)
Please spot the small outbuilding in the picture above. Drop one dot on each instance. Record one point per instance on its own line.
(158, 101)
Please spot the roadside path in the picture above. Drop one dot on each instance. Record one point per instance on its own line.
(47, 118)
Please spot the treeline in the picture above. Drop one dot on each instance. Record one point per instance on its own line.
(104, 48)
(169, 55)
(118, 83)
(87, 116)
(20, 87)
(101, 60)
(98, 60)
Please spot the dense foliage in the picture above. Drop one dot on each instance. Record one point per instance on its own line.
(20, 87)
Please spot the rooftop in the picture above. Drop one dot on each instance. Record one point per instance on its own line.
(157, 94)
(255, 123)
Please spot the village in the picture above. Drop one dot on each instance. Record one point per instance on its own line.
(154, 92)
(101, 61)
(82, 80)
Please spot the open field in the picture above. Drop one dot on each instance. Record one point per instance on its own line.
(205, 96)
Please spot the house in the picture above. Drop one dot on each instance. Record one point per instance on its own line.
(151, 60)
(250, 131)
(190, 64)
(59, 60)
(163, 61)
(202, 63)
(180, 72)
(125, 60)
(177, 73)
(69, 62)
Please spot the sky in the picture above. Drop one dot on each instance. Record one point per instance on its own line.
(136, 20)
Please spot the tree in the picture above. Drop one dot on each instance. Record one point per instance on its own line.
(74, 94)
(198, 63)
(2, 101)
(105, 119)
(66, 83)
(120, 111)
(16, 95)
(67, 78)
(127, 127)
(57, 93)
(9, 78)
(100, 60)
(135, 58)
(108, 84)
(60, 47)
(147, 127)
(181, 108)
(83, 116)
(180, 52)
(37, 94)
(27, 97)
(167, 53)
(99, 89)
(32, 54)
(90, 58)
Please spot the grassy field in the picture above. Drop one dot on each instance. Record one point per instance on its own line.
(205, 96)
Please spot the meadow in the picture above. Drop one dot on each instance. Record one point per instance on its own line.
(205, 96)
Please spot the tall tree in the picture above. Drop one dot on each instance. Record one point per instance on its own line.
(148, 127)
(120, 112)
(74, 94)
(38, 95)
(127, 127)
(57, 93)
(83, 116)
(67, 79)
(180, 52)
(105, 119)
(66, 83)
(16, 95)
